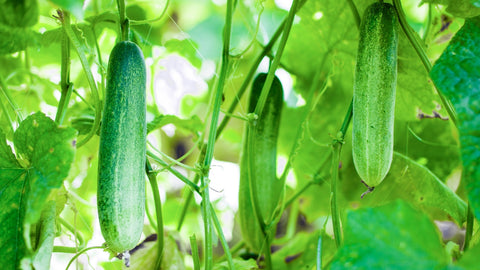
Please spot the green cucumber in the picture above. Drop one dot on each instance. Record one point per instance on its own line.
(258, 166)
(374, 93)
(122, 152)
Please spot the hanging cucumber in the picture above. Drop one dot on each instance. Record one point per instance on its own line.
(374, 93)
(259, 165)
(122, 152)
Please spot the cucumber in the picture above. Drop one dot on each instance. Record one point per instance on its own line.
(122, 151)
(258, 167)
(374, 93)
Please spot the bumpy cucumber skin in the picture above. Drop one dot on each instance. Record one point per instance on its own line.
(374, 93)
(122, 151)
(263, 162)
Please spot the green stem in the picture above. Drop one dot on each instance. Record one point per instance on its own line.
(174, 172)
(91, 81)
(276, 61)
(100, 63)
(150, 218)
(238, 246)
(422, 55)
(177, 162)
(319, 252)
(223, 241)
(469, 228)
(212, 137)
(152, 177)
(80, 253)
(73, 230)
(337, 149)
(63, 249)
(65, 84)
(337, 231)
(63, 104)
(291, 225)
(267, 251)
(356, 15)
(159, 17)
(123, 19)
(189, 198)
(429, 23)
(9, 118)
(195, 255)
(298, 193)
(10, 101)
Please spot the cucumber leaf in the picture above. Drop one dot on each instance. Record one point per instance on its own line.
(193, 124)
(459, 8)
(43, 253)
(19, 13)
(415, 183)
(392, 236)
(16, 39)
(469, 260)
(44, 155)
(457, 74)
(300, 252)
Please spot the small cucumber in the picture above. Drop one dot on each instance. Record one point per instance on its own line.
(259, 165)
(374, 93)
(122, 151)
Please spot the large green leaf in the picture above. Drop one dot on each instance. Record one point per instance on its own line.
(457, 74)
(416, 184)
(193, 124)
(19, 13)
(393, 236)
(469, 260)
(40, 259)
(300, 252)
(15, 39)
(459, 8)
(45, 153)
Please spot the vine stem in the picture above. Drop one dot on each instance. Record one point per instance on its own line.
(86, 68)
(175, 172)
(159, 17)
(409, 32)
(429, 23)
(469, 228)
(276, 60)
(10, 101)
(212, 137)
(195, 255)
(80, 253)
(337, 149)
(123, 19)
(223, 241)
(152, 178)
(65, 84)
(356, 15)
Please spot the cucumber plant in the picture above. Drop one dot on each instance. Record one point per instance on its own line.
(122, 152)
(374, 93)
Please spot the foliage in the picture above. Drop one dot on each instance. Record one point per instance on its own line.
(201, 58)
